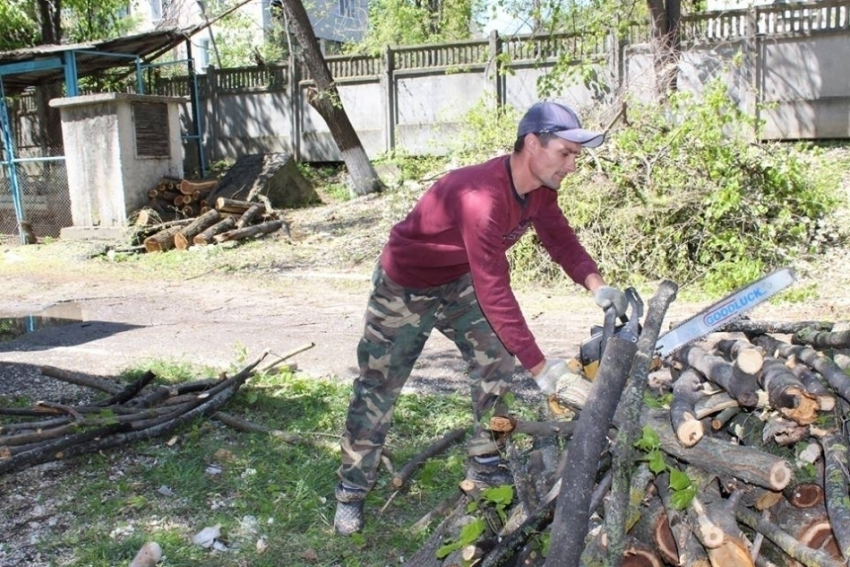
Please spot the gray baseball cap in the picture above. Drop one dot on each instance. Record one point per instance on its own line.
(562, 121)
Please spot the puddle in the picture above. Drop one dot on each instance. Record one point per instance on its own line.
(54, 316)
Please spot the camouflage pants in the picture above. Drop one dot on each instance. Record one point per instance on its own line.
(398, 323)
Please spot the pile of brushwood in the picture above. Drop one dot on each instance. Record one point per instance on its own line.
(743, 461)
(51, 431)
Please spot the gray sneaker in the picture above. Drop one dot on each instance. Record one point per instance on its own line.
(489, 471)
(349, 509)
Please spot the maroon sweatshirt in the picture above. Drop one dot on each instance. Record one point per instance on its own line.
(465, 223)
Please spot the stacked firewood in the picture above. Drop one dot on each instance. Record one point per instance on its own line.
(226, 220)
(179, 198)
(747, 462)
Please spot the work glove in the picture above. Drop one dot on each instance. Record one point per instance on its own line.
(553, 371)
(607, 296)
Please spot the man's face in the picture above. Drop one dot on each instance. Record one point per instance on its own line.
(551, 162)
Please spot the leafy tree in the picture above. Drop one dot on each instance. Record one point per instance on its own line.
(411, 22)
(325, 99)
(91, 20)
(18, 27)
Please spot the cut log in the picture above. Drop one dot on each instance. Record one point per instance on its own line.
(232, 205)
(743, 354)
(813, 383)
(688, 550)
(821, 339)
(570, 524)
(804, 495)
(785, 541)
(186, 235)
(687, 391)
(741, 386)
(161, 241)
(831, 372)
(786, 394)
(189, 187)
(249, 216)
(750, 327)
(627, 416)
(248, 231)
(745, 463)
(510, 424)
(207, 236)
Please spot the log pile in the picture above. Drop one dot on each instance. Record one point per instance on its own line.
(174, 198)
(197, 222)
(745, 464)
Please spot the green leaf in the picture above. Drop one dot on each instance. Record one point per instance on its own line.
(681, 499)
(656, 462)
(503, 494)
(679, 480)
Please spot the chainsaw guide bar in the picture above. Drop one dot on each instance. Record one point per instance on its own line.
(723, 312)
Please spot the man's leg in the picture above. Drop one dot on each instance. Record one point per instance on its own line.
(398, 323)
(490, 369)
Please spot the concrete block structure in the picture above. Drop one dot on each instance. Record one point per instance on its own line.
(117, 147)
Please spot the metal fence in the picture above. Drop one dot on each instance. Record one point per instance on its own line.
(36, 164)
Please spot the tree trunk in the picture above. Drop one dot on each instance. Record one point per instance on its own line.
(664, 18)
(326, 101)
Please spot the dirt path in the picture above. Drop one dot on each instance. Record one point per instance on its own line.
(119, 321)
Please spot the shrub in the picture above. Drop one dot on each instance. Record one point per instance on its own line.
(684, 193)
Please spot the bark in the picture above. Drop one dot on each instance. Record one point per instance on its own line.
(249, 231)
(773, 327)
(207, 236)
(743, 387)
(745, 463)
(185, 237)
(249, 216)
(786, 394)
(326, 101)
(821, 339)
(569, 526)
(785, 541)
(835, 485)
(162, 241)
(743, 354)
(831, 372)
(664, 17)
(225, 205)
(687, 391)
(81, 379)
(628, 412)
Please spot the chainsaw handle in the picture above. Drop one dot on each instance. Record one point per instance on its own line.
(608, 326)
(610, 321)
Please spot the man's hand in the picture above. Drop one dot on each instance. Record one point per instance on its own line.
(607, 296)
(554, 369)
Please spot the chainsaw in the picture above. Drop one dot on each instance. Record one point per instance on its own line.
(709, 320)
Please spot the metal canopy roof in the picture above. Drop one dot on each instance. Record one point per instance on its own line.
(23, 68)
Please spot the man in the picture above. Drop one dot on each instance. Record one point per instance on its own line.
(445, 267)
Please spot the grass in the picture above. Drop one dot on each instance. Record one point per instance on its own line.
(273, 501)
